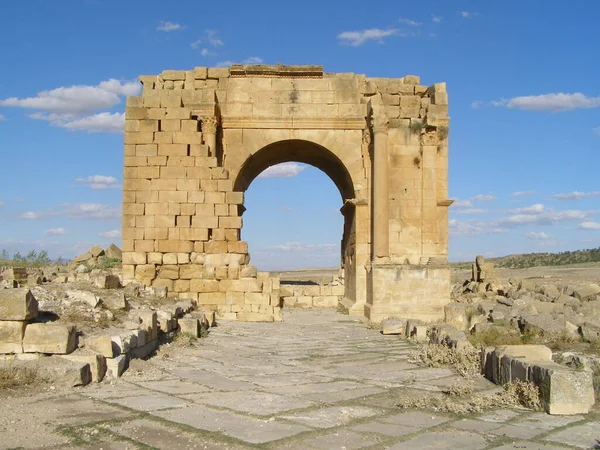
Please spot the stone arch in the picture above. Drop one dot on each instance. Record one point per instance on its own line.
(296, 150)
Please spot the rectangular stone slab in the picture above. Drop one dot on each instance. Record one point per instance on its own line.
(49, 338)
(17, 304)
(11, 336)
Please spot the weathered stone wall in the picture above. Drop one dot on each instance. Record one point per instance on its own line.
(196, 139)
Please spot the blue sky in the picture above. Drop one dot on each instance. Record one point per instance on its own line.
(524, 107)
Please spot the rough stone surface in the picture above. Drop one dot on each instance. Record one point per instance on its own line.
(177, 132)
(48, 338)
(17, 304)
(338, 379)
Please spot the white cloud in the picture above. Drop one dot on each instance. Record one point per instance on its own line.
(283, 170)
(225, 63)
(100, 182)
(31, 215)
(596, 131)
(464, 228)
(356, 38)
(538, 208)
(412, 23)
(467, 14)
(213, 38)
(548, 217)
(476, 104)
(91, 211)
(98, 123)
(55, 231)
(77, 100)
(437, 19)
(541, 235)
(196, 43)
(555, 102)
(2, 117)
(72, 107)
(483, 198)
(575, 195)
(522, 193)
(253, 60)
(112, 234)
(471, 211)
(589, 225)
(462, 203)
(167, 26)
(204, 52)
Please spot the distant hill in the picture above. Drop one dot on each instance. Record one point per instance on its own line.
(526, 260)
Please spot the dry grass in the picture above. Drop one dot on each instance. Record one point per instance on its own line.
(458, 389)
(562, 341)
(493, 337)
(458, 400)
(185, 340)
(466, 362)
(85, 319)
(13, 376)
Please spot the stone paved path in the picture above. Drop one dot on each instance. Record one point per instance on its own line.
(319, 380)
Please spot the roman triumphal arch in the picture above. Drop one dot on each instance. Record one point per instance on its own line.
(195, 140)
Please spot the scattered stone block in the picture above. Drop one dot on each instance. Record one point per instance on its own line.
(113, 252)
(85, 296)
(563, 390)
(587, 293)
(96, 362)
(11, 336)
(107, 281)
(456, 314)
(17, 304)
(393, 326)
(49, 338)
(116, 366)
(102, 345)
(191, 326)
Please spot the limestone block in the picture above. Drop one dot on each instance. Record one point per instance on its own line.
(393, 326)
(49, 338)
(325, 301)
(204, 286)
(102, 345)
(248, 272)
(116, 366)
(583, 293)
(149, 323)
(255, 317)
(412, 79)
(107, 281)
(11, 336)
(169, 272)
(212, 247)
(456, 314)
(221, 273)
(17, 304)
(564, 390)
(191, 326)
(172, 75)
(97, 363)
(217, 72)
(134, 258)
(200, 73)
(62, 372)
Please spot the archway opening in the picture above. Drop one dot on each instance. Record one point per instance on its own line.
(295, 219)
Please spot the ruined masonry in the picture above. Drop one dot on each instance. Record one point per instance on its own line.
(196, 139)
